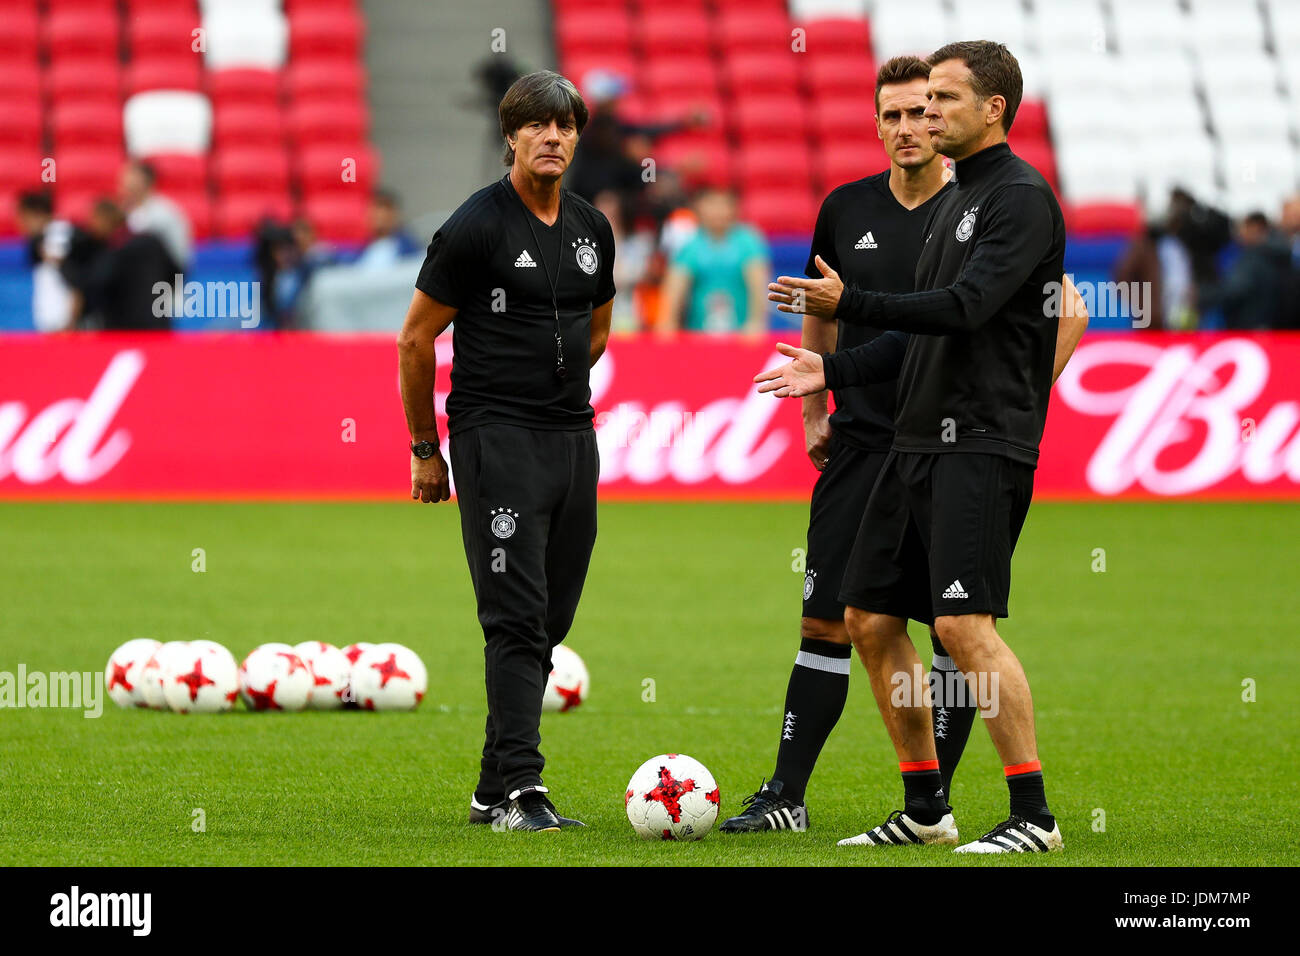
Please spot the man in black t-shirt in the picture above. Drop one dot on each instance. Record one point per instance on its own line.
(973, 384)
(525, 269)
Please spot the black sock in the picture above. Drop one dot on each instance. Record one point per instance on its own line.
(953, 714)
(814, 700)
(923, 795)
(1028, 800)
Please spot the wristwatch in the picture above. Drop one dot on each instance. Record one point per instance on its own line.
(423, 449)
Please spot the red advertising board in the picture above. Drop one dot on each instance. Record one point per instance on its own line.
(301, 416)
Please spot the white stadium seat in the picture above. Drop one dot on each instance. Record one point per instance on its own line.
(917, 27)
(1143, 27)
(1001, 20)
(1157, 74)
(1263, 117)
(1097, 173)
(1082, 32)
(1222, 74)
(1234, 28)
(252, 37)
(167, 121)
(1184, 161)
(802, 10)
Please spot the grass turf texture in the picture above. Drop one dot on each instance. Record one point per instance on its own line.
(1137, 677)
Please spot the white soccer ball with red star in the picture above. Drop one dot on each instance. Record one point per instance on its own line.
(330, 671)
(151, 675)
(124, 671)
(567, 686)
(672, 797)
(389, 677)
(273, 677)
(201, 678)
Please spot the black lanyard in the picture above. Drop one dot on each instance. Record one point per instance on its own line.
(560, 370)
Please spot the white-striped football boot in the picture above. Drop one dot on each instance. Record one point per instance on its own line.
(1016, 835)
(901, 830)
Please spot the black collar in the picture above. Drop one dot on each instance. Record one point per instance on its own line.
(977, 164)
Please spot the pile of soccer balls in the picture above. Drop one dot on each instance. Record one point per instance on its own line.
(201, 677)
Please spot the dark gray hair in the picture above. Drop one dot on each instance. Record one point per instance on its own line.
(993, 72)
(539, 97)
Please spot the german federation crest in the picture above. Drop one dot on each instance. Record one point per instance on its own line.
(503, 522)
(967, 224)
(586, 255)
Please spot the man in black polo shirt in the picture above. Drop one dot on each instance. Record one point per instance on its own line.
(950, 502)
(870, 232)
(525, 268)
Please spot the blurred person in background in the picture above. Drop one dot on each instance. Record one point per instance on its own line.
(295, 263)
(1250, 295)
(120, 285)
(1161, 263)
(1203, 231)
(614, 149)
(149, 211)
(389, 239)
(1291, 295)
(717, 281)
(58, 253)
(632, 268)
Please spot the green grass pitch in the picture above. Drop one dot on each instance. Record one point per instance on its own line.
(1137, 675)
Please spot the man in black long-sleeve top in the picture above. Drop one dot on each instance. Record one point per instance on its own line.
(973, 383)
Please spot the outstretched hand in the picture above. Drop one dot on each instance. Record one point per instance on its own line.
(803, 375)
(819, 297)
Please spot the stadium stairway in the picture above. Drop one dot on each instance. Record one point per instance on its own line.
(421, 59)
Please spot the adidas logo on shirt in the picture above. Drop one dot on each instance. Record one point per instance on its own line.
(525, 261)
(955, 590)
(866, 242)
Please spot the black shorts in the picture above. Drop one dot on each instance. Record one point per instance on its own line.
(937, 536)
(838, 500)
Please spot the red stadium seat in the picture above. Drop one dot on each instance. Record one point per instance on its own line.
(250, 168)
(607, 30)
(780, 211)
(21, 81)
(339, 217)
(20, 38)
(837, 36)
(766, 117)
(242, 124)
(745, 30)
(679, 75)
(180, 172)
(674, 107)
(321, 169)
(21, 168)
(246, 86)
(576, 66)
(777, 164)
(675, 32)
(237, 215)
(88, 169)
(81, 123)
(22, 122)
(846, 162)
(85, 79)
(89, 32)
(332, 79)
(325, 33)
(762, 73)
(1031, 120)
(1037, 153)
(1093, 219)
(165, 32)
(697, 159)
(842, 117)
(324, 122)
(163, 73)
(841, 75)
